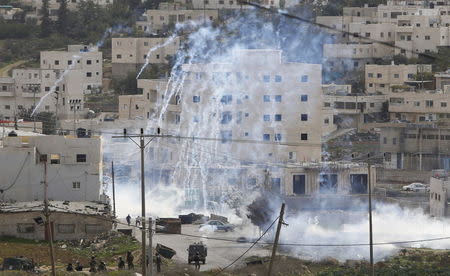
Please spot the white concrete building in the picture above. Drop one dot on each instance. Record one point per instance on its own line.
(385, 78)
(439, 194)
(74, 168)
(67, 75)
(129, 54)
(162, 20)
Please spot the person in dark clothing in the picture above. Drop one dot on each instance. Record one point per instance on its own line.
(93, 265)
(128, 219)
(101, 267)
(130, 259)
(78, 266)
(197, 261)
(69, 267)
(158, 262)
(121, 264)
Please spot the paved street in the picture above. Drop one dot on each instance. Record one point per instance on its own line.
(220, 253)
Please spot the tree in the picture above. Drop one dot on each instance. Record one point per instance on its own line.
(61, 24)
(48, 119)
(46, 24)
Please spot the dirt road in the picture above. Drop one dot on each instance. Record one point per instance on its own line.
(4, 71)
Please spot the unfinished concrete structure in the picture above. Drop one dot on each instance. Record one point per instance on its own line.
(68, 220)
(440, 194)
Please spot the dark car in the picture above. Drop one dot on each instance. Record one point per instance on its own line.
(218, 225)
(199, 248)
(19, 263)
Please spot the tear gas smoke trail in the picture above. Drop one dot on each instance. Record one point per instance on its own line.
(106, 34)
(151, 50)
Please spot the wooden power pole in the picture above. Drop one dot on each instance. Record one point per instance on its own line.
(113, 188)
(48, 225)
(372, 268)
(277, 237)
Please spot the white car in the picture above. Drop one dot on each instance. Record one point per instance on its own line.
(416, 187)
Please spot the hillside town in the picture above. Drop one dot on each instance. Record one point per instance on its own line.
(207, 137)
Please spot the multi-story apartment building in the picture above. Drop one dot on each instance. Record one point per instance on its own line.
(129, 54)
(256, 96)
(383, 78)
(163, 20)
(67, 75)
(425, 106)
(353, 56)
(439, 194)
(73, 168)
(415, 146)
(442, 80)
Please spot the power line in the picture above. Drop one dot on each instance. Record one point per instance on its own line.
(18, 174)
(245, 252)
(304, 20)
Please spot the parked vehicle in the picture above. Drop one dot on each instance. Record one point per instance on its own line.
(200, 248)
(416, 187)
(19, 263)
(218, 226)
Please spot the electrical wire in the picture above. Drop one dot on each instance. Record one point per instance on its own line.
(246, 251)
(18, 174)
(304, 20)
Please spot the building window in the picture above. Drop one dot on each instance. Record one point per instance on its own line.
(328, 183)
(304, 78)
(443, 104)
(278, 98)
(429, 103)
(7, 107)
(55, 158)
(66, 228)
(278, 117)
(266, 137)
(387, 156)
(277, 78)
(226, 99)
(118, 56)
(25, 228)
(81, 158)
(266, 78)
(370, 75)
(56, 62)
(47, 88)
(88, 61)
(76, 185)
(93, 228)
(226, 136)
(196, 99)
(304, 136)
(226, 117)
(266, 98)
(69, 62)
(396, 76)
(427, 37)
(379, 75)
(266, 118)
(304, 117)
(299, 184)
(88, 74)
(326, 121)
(278, 137)
(394, 141)
(384, 140)
(304, 98)
(276, 185)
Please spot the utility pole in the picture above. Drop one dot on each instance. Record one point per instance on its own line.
(141, 146)
(277, 236)
(372, 268)
(113, 188)
(34, 106)
(48, 225)
(150, 246)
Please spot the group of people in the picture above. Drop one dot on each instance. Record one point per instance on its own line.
(138, 220)
(92, 266)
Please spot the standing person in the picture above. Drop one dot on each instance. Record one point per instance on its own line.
(121, 264)
(69, 267)
(78, 266)
(138, 221)
(197, 261)
(102, 266)
(128, 219)
(93, 265)
(130, 259)
(158, 263)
